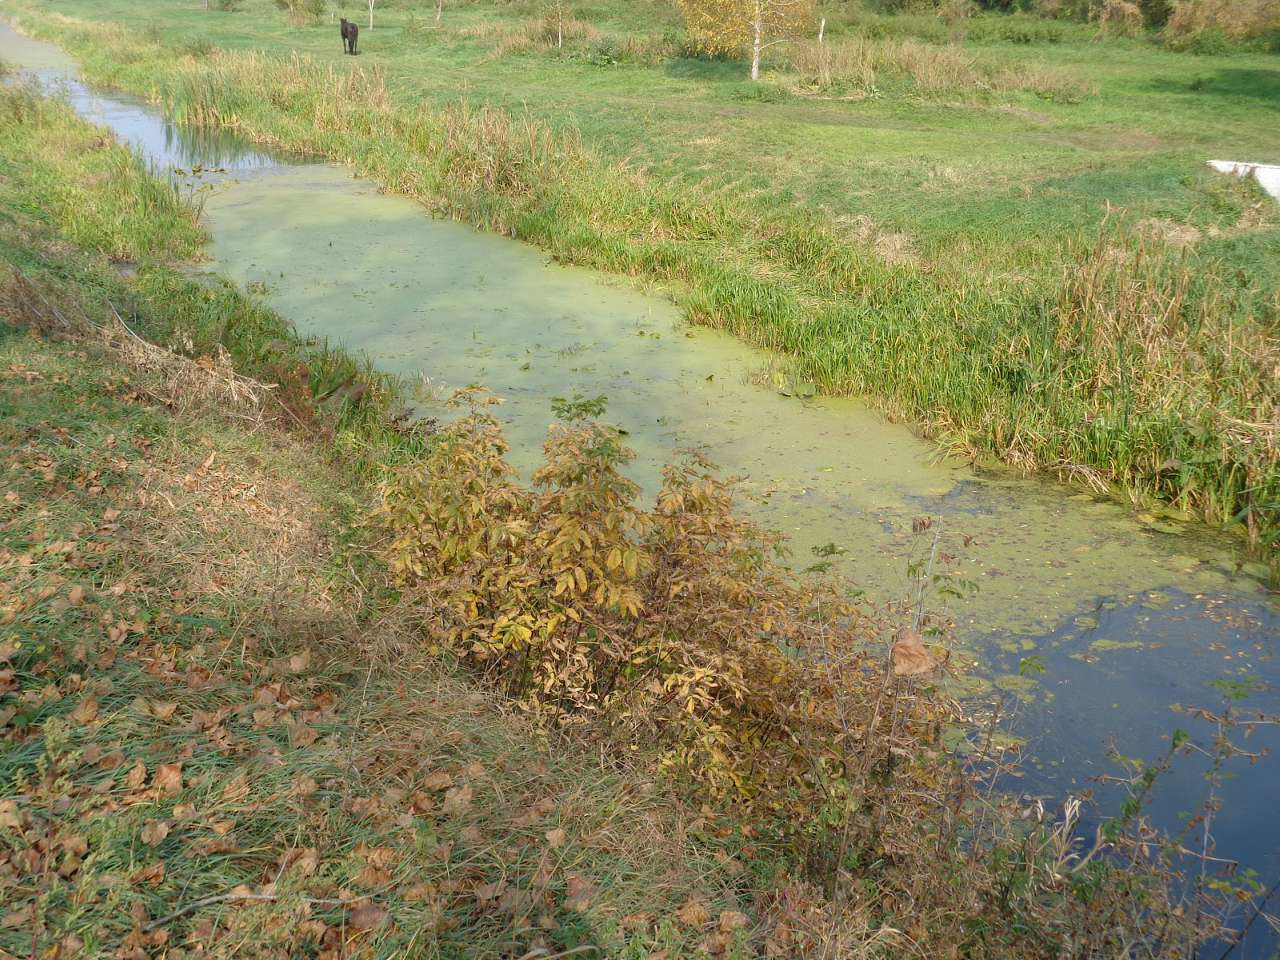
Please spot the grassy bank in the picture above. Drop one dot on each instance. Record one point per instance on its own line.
(213, 731)
(239, 718)
(1117, 353)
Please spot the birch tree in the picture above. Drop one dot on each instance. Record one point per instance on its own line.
(729, 26)
(557, 10)
(371, 3)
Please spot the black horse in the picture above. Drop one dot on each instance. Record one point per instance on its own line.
(350, 35)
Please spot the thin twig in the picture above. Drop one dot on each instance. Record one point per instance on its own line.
(242, 897)
(1257, 912)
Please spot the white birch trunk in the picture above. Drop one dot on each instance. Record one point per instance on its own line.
(371, 3)
(757, 39)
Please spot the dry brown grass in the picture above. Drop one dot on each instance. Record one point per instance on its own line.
(1236, 19)
(542, 33)
(853, 66)
(891, 246)
(393, 781)
(179, 382)
(1118, 18)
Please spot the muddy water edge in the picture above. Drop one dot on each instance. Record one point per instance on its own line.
(1129, 614)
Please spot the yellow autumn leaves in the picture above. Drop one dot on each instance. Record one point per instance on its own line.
(736, 26)
(672, 627)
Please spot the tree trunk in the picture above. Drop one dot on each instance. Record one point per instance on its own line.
(371, 14)
(757, 39)
(822, 29)
(439, 11)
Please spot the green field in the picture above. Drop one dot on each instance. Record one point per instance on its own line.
(232, 723)
(970, 177)
(1011, 241)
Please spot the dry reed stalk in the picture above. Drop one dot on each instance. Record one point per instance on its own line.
(183, 383)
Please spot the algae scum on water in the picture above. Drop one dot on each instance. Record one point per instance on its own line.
(1127, 616)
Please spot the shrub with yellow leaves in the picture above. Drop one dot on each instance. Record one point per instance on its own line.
(676, 626)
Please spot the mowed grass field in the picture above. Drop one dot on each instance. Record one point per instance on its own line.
(990, 179)
(1010, 239)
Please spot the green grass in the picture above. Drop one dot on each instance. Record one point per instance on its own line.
(687, 119)
(203, 692)
(217, 725)
(914, 246)
(65, 178)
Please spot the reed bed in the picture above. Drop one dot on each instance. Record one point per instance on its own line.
(1058, 377)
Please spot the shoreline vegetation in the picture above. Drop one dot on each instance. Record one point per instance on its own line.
(1123, 358)
(281, 674)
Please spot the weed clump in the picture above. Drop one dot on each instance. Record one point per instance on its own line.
(1212, 26)
(1119, 18)
(302, 12)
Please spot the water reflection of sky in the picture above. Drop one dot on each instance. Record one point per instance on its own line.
(164, 144)
(1103, 689)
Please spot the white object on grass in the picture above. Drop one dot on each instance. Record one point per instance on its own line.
(1267, 174)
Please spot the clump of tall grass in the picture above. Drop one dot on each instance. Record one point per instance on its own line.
(302, 13)
(134, 215)
(856, 63)
(547, 32)
(1234, 20)
(1139, 319)
(1118, 18)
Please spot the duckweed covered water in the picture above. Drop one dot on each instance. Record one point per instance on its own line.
(1129, 616)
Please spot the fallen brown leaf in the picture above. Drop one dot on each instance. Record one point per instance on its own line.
(578, 891)
(169, 778)
(909, 656)
(367, 917)
(419, 892)
(371, 877)
(136, 777)
(439, 780)
(457, 800)
(152, 875)
(693, 913)
(731, 920)
(237, 788)
(86, 711)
